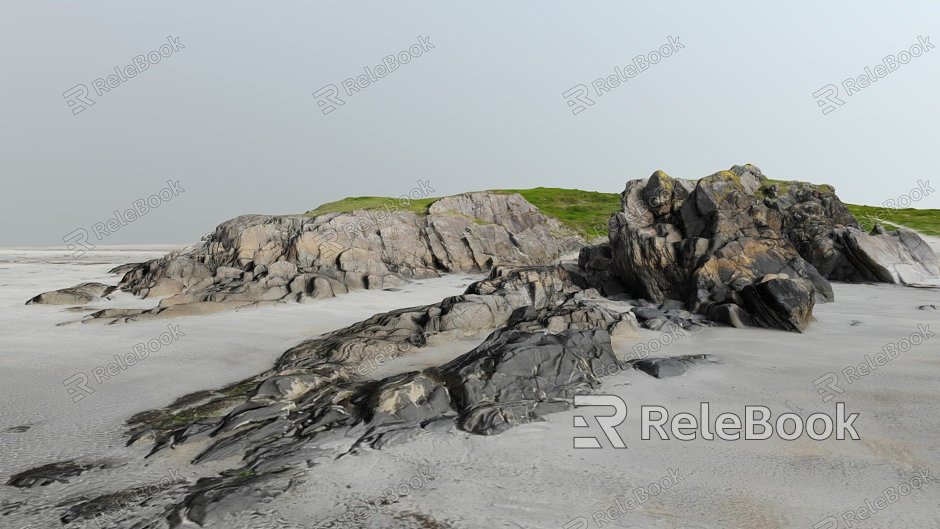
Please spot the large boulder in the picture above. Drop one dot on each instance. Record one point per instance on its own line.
(829, 237)
(745, 250)
(714, 246)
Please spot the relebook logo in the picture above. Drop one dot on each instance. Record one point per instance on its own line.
(755, 424)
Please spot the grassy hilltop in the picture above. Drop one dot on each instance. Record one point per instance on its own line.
(588, 211)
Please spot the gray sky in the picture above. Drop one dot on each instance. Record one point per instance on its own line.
(232, 115)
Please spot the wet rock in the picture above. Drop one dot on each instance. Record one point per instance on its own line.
(51, 473)
(730, 314)
(576, 314)
(779, 303)
(513, 375)
(550, 340)
(407, 400)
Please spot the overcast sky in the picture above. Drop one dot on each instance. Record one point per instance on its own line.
(230, 112)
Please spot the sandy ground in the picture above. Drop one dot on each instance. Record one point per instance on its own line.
(530, 476)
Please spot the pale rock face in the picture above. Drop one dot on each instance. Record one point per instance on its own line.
(282, 269)
(900, 256)
(227, 272)
(164, 287)
(77, 295)
(261, 258)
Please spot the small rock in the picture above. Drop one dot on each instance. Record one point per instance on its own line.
(77, 295)
(51, 473)
(669, 367)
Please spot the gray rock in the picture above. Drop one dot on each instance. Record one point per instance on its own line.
(259, 258)
(77, 295)
(900, 257)
(506, 380)
(687, 246)
(829, 237)
(713, 243)
(59, 472)
(550, 341)
(669, 367)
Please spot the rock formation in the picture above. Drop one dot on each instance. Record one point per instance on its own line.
(732, 247)
(745, 251)
(256, 259)
(550, 339)
(714, 246)
(829, 237)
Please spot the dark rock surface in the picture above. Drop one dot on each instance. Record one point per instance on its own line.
(828, 236)
(710, 244)
(512, 376)
(44, 475)
(743, 250)
(669, 367)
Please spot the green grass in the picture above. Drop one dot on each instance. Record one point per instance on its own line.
(784, 185)
(926, 221)
(345, 205)
(587, 212)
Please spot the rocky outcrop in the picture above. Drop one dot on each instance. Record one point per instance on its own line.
(743, 250)
(900, 256)
(715, 246)
(257, 259)
(77, 295)
(549, 340)
(829, 237)
(515, 376)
